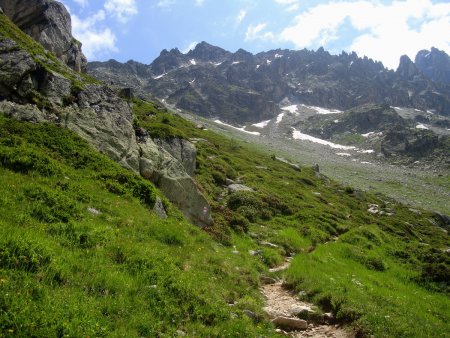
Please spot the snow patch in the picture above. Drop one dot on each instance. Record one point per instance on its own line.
(365, 162)
(261, 124)
(216, 64)
(193, 62)
(237, 128)
(372, 133)
(159, 76)
(422, 126)
(277, 56)
(323, 111)
(268, 62)
(336, 121)
(235, 62)
(279, 118)
(368, 151)
(292, 109)
(298, 135)
(344, 154)
(257, 66)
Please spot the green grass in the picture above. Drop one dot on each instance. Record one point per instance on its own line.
(399, 259)
(65, 271)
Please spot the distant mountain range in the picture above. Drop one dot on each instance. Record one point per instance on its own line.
(241, 87)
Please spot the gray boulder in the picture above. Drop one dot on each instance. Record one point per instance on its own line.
(49, 23)
(288, 323)
(106, 122)
(238, 187)
(159, 166)
(183, 150)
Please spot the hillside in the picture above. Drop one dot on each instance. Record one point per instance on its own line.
(121, 218)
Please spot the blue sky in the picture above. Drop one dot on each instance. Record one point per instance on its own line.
(139, 29)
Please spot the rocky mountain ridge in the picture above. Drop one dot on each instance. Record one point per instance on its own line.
(241, 87)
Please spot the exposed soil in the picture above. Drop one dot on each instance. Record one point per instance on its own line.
(282, 302)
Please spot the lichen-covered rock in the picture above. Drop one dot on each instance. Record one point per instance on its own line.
(289, 323)
(183, 150)
(28, 112)
(106, 122)
(15, 64)
(49, 23)
(159, 166)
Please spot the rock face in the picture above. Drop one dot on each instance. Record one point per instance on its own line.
(242, 87)
(435, 64)
(183, 150)
(159, 166)
(49, 23)
(101, 117)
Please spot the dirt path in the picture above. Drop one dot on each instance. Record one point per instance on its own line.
(284, 308)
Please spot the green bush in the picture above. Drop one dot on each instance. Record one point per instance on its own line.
(51, 206)
(22, 254)
(121, 182)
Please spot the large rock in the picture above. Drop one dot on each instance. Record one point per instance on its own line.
(183, 150)
(49, 23)
(23, 79)
(15, 65)
(289, 323)
(159, 166)
(105, 121)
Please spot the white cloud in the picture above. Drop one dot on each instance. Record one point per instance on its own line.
(199, 2)
(81, 3)
(165, 3)
(95, 41)
(286, 2)
(256, 32)
(189, 47)
(241, 16)
(121, 9)
(385, 29)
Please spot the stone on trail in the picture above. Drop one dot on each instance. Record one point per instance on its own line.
(290, 323)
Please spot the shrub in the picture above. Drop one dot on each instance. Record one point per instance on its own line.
(21, 254)
(239, 223)
(244, 199)
(121, 182)
(51, 206)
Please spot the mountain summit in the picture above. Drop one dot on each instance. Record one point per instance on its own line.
(242, 87)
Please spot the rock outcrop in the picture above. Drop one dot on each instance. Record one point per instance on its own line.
(49, 23)
(101, 117)
(435, 64)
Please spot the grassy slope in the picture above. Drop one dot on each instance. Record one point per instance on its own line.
(125, 272)
(387, 274)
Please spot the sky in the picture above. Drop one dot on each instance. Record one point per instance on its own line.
(379, 29)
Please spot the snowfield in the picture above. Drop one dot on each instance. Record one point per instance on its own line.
(237, 128)
(298, 135)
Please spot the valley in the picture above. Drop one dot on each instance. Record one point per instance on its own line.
(218, 194)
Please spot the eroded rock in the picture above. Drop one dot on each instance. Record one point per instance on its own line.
(49, 23)
(288, 323)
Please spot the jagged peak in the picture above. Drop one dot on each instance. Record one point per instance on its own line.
(406, 69)
(207, 52)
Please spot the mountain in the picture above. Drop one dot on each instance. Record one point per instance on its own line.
(120, 218)
(435, 64)
(241, 87)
